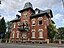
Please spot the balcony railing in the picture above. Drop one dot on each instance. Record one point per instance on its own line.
(23, 29)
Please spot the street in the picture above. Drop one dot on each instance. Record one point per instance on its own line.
(4, 45)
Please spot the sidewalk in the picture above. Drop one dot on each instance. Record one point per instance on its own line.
(50, 44)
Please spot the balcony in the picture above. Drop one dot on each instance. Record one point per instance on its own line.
(23, 28)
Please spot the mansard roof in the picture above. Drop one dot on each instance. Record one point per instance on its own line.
(41, 12)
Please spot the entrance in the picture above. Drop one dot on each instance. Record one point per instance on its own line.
(24, 35)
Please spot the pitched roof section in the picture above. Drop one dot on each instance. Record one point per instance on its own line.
(38, 12)
(26, 9)
(49, 11)
(15, 20)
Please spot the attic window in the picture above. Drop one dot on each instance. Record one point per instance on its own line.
(36, 12)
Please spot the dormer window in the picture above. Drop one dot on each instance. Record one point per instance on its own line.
(36, 12)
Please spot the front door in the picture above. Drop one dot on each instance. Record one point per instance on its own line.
(24, 35)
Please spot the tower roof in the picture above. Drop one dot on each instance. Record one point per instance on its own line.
(27, 6)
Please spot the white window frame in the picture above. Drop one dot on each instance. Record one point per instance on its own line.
(33, 33)
(33, 22)
(36, 12)
(18, 23)
(40, 33)
(24, 35)
(45, 27)
(17, 36)
(14, 25)
(40, 19)
(13, 34)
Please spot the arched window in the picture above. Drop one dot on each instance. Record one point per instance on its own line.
(13, 34)
(17, 34)
(40, 33)
(33, 33)
(18, 23)
(25, 23)
(14, 25)
(33, 22)
(40, 20)
(24, 35)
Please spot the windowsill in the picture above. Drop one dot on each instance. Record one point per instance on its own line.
(33, 37)
(40, 37)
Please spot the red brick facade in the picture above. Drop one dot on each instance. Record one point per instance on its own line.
(37, 25)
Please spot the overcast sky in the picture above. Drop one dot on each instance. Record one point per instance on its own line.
(9, 8)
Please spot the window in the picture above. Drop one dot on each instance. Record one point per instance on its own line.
(18, 23)
(45, 27)
(33, 22)
(40, 20)
(24, 14)
(25, 23)
(47, 21)
(33, 33)
(13, 34)
(40, 33)
(37, 12)
(14, 25)
(17, 34)
(24, 35)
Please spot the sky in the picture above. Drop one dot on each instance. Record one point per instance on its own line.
(9, 9)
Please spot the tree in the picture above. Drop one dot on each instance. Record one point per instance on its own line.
(8, 29)
(51, 30)
(2, 28)
(60, 33)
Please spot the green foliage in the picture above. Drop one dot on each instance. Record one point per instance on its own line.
(2, 25)
(60, 33)
(2, 28)
(8, 27)
(51, 30)
(7, 35)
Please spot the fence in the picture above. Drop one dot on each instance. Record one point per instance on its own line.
(23, 41)
(59, 41)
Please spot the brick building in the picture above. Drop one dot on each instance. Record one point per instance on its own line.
(32, 25)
